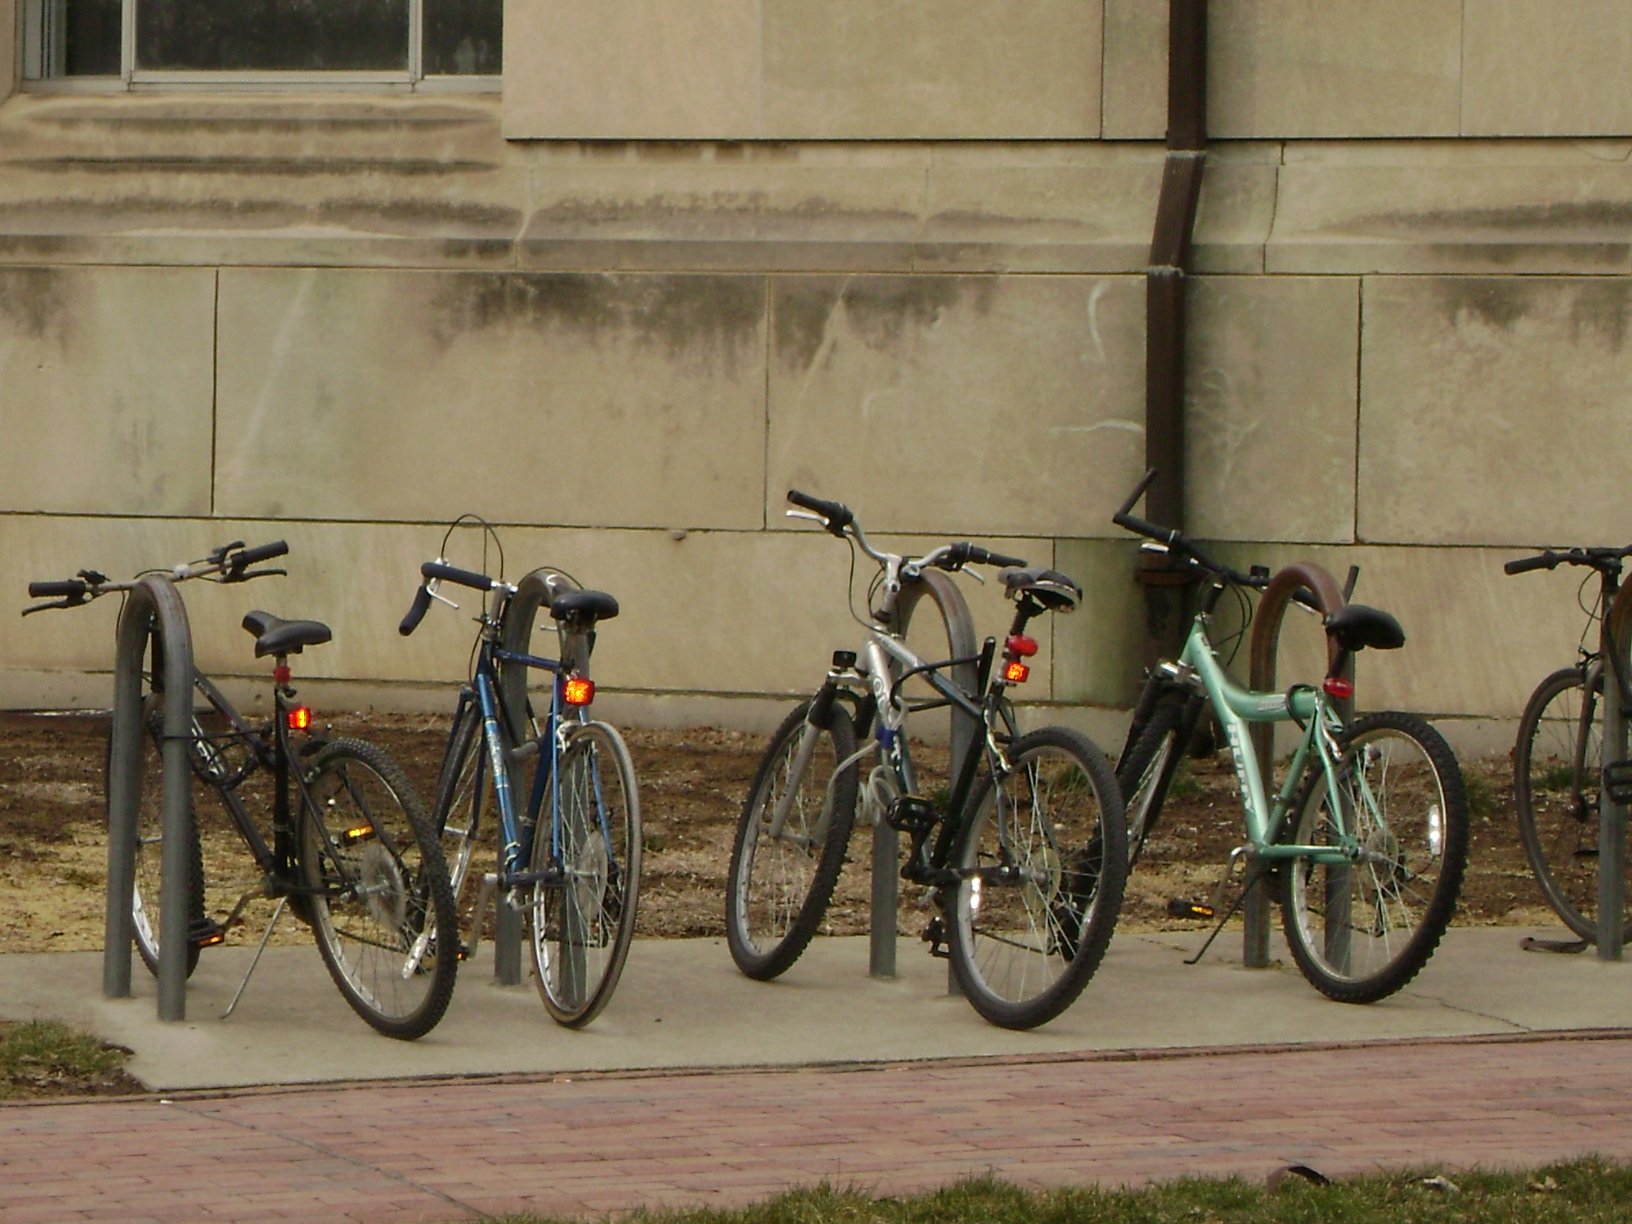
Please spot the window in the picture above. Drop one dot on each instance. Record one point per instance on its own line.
(153, 42)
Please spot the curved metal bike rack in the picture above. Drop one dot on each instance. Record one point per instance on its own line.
(153, 612)
(1616, 644)
(1266, 641)
(949, 602)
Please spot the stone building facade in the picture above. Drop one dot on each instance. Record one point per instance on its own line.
(689, 255)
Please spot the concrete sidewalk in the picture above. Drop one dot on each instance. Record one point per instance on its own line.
(682, 1004)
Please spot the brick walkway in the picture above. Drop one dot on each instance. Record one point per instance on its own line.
(453, 1150)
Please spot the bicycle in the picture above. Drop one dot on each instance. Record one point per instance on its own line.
(1558, 760)
(351, 851)
(1366, 840)
(570, 861)
(1025, 859)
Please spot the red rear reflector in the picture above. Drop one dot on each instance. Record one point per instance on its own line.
(1020, 644)
(300, 718)
(579, 691)
(1015, 672)
(1338, 687)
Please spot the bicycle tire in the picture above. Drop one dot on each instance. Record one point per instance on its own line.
(1556, 781)
(1146, 770)
(777, 892)
(581, 928)
(1360, 932)
(1025, 944)
(381, 907)
(150, 841)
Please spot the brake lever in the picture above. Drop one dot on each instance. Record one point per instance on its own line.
(61, 603)
(266, 573)
(807, 515)
(431, 589)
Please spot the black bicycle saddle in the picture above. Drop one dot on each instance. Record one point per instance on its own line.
(1356, 626)
(591, 605)
(1048, 587)
(275, 636)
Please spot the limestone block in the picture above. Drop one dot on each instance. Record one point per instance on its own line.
(1545, 68)
(8, 47)
(631, 70)
(1302, 68)
(1135, 70)
(607, 400)
(959, 404)
(926, 69)
(1099, 650)
(1270, 408)
(1480, 398)
(1509, 207)
(105, 390)
(1236, 208)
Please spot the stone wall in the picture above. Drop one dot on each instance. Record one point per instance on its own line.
(348, 319)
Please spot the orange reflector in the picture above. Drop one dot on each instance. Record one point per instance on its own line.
(300, 718)
(1015, 672)
(1338, 687)
(579, 691)
(1020, 644)
(352, 836)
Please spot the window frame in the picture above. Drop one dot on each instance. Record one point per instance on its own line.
(40, 43)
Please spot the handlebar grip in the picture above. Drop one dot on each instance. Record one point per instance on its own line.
(70, 588)
(451, 573)
(983, 556)
(261, 552)
(416, 613)
(1134, 497)
(1166, 535)
(837, 514)
(1524, 565)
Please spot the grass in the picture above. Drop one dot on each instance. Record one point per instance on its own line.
(46, 1058)
(1580, 1192)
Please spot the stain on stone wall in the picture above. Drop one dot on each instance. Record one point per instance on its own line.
(878, 310)
(1589, 308)
(686, 316)
(33, 300)
(1498, 303)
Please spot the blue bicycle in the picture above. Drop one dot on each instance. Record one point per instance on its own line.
(568, 858)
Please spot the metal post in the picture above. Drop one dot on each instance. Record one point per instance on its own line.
(153, 613)
(886, 900)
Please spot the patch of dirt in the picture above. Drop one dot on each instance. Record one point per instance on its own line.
(53, 847)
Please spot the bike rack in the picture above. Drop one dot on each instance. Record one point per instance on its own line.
(1258, 908)
(153, 612)
(960, 637)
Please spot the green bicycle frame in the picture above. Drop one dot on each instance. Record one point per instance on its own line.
(1236, 707)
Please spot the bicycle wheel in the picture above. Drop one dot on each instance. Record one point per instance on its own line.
(1361, 931)
(381, 907)
(778, 886)
(1143, 774)
(144, 901)
(1043, 863)
(1557, 766)
(582, 926)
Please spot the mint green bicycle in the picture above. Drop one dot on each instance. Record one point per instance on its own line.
(1366, 841)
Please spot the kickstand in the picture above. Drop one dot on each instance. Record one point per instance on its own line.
(276, 914)
(1252, 882)
(1531, 944)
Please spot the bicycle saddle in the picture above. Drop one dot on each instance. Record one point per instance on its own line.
(1357, 626)
(275, 636)
(589, 605)
(1048, 587)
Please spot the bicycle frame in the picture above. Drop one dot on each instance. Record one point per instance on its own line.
(1235, 708)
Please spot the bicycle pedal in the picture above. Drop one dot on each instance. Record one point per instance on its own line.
(935, 936)
(206, 933)
(911, 814)
(1618, 781)
(1193, 910)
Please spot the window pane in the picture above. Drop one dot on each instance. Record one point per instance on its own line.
(463, 37)
(91, 37)
(273, 35)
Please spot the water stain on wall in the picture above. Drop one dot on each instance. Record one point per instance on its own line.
(685, 316)
(33, 299)
(1498, 303)
(1589, 307)
(879, 310)
(1590, 218)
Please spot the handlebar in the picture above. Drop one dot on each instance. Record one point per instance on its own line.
(452, 573)
(1604, 560)
(956, 556)
(441, 571)
(838, 519)
(837, 514)
(230, 562)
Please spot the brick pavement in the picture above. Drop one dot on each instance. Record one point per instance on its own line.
(451, 1150)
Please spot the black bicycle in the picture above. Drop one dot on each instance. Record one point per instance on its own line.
(349, 848)
(1558, 755)
(1025, 859)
